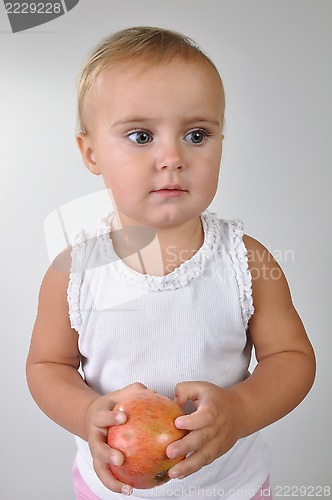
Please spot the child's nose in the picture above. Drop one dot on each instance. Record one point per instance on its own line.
(171, 156)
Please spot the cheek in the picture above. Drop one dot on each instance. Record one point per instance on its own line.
(212, 183)
(209, 166)
(121, 180)
(207, 175)
(114, 168)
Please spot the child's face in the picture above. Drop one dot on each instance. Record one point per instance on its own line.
(152, 128)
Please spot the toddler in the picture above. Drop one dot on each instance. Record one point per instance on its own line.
(160, 295)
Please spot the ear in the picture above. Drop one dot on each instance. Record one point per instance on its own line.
(85, 146)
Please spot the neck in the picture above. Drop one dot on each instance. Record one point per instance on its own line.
(181, 244)
(157, 251)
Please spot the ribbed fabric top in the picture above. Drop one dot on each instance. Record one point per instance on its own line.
(160, 330)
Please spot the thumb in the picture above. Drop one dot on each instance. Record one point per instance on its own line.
(135, 387)
(129, 390)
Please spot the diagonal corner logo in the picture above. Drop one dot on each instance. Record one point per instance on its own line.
(24, 15)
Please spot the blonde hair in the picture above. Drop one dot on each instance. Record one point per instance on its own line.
(150, 45)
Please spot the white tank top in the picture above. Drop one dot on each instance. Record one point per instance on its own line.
(190, 324)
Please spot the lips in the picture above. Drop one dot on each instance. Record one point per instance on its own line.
(170, 191)
(171, 187)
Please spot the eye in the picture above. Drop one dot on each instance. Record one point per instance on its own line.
(140, 137)
(197, 136)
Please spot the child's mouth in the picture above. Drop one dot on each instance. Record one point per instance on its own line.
(170, 191)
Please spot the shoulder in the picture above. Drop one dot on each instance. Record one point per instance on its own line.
(255, 248)
(260, 259)
(54, 286)
(269, 285)
(74, 257)
(61, 264)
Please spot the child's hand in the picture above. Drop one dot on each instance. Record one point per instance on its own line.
(98, 418)
(215, 426)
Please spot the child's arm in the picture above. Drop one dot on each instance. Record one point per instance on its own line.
(282, 378)
(57, 386)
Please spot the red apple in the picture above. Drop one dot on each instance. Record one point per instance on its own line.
(143, 439)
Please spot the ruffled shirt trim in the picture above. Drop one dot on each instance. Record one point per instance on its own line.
(239, 256)
(180, 276)
(75, 277)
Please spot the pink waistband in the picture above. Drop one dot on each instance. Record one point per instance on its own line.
(264, 493)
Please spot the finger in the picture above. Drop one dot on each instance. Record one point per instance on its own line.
(191, 464)
(188, 391)
(205, 415)
(113, 398)
(131, 389)
(107, 418)
(107, 478)
(102, 451)
(188, 444)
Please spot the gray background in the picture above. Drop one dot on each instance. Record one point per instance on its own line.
(274, 57)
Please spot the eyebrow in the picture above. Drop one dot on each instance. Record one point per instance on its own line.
(193, 119)
(202, 120)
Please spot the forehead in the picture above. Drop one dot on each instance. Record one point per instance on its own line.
(176, 85)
